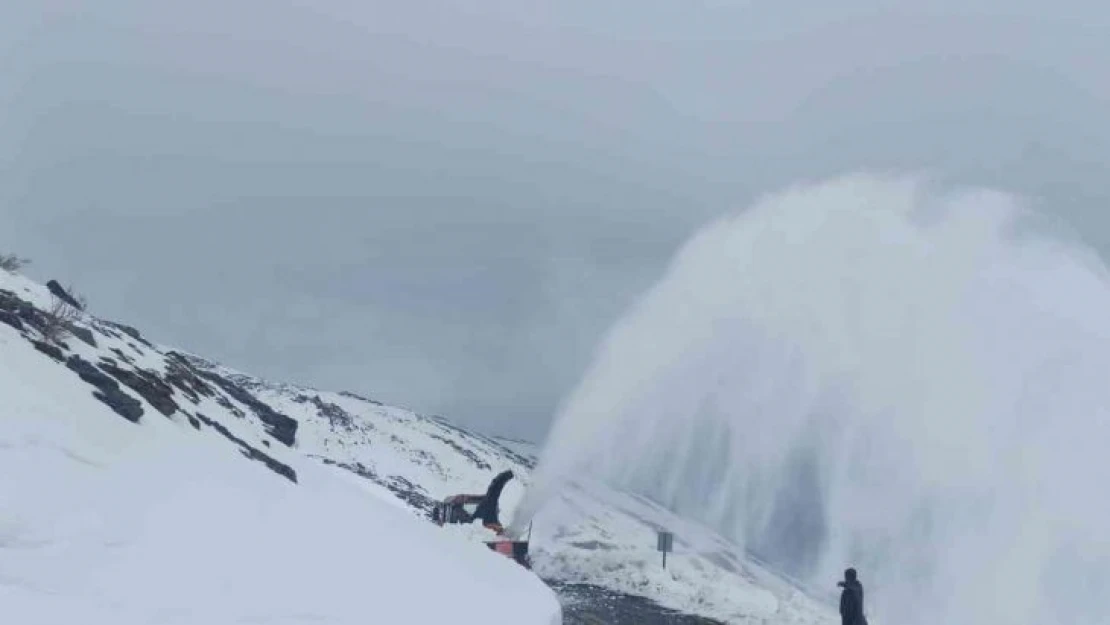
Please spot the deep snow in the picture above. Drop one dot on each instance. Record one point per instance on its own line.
(363, 470)
(589, 534)
(106, 521)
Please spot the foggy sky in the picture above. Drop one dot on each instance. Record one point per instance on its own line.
(444, 204)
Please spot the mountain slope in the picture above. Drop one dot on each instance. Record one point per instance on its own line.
(589, 537)
(165, 521)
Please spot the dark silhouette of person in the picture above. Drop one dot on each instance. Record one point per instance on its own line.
(489, 509)
(851, 600)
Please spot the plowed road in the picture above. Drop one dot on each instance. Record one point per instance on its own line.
(591, 605)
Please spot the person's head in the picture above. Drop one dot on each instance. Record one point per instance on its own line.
(850, 575)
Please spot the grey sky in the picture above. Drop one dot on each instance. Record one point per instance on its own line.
(444, 204)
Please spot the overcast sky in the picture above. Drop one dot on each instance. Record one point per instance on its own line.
(444, 204)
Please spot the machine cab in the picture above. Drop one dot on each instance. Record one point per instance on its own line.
(456, 509)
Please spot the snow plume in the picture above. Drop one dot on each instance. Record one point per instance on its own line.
(877, 373)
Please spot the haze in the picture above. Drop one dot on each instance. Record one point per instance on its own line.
(444, 205)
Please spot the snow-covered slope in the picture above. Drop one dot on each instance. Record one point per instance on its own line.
(105, 520)
(296, 439)
(589, 535)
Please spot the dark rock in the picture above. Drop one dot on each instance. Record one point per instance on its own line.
(50, 350)
(148, 385)
(226, 404)
(189, 394)
(63, 295)
(9, 301)
(193, 420)
(360, 398)
(132, 332)
(411, 493)
(108, 390)
(23, 310)
(463, 451)
(334, 414)
(122, 356)
(480, 440)
(11, 319)
(128, 330)
(181, 374)
(16, 312)
(31, 315)
(89, 373)
(281, 469)
(281, 427)
(83, 334)
(123, 404)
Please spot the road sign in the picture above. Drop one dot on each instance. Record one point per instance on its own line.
(665, 544)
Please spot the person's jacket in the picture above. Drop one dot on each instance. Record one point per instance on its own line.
(851, 604)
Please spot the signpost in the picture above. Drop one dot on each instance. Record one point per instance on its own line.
(666, 545)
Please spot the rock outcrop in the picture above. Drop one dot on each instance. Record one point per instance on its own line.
(107, 389)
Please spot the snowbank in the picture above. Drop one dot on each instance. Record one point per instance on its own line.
(106, 521)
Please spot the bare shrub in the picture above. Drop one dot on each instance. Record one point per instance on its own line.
(12, 263)
(82, 301)
(57, 320)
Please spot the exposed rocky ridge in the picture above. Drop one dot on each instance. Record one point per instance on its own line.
(131, 375)
(253, 453)
(278, 425)
(118, 381)
(108, 390)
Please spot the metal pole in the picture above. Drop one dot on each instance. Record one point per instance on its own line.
(664, 560)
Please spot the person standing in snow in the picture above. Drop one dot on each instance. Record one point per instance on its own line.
(851, 600)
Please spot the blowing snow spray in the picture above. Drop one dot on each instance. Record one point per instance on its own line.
(872, 372)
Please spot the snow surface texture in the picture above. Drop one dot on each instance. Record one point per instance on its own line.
(594, 535)
(867, 372)
(366, 454)
(163, 522)
(590, 534)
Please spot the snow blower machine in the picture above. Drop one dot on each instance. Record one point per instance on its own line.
(466, 509)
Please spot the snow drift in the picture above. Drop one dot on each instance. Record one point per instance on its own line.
(107, 521)
(212, 480)
(872, 372)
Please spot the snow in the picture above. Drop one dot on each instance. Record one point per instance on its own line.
(594, 535)
(588, 535)
(119, 501)
(105, 521)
